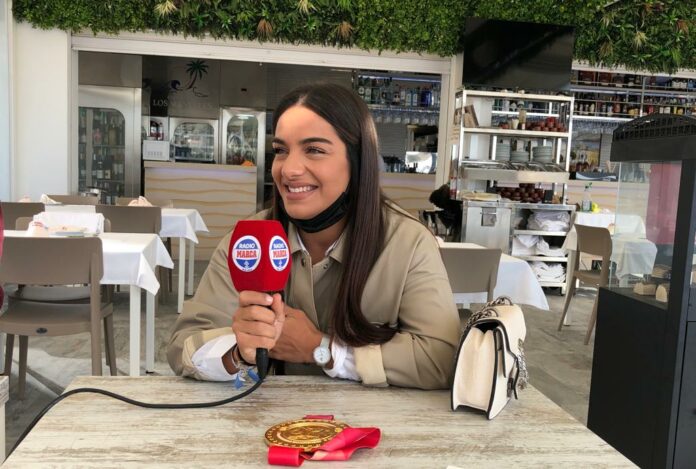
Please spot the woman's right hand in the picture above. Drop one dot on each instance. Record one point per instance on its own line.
(257, 323)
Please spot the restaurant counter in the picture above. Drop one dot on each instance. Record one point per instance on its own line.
(222, 194)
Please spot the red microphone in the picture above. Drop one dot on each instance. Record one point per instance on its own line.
(259, 260)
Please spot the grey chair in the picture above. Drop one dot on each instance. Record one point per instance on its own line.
(75, 199)
(55, 262)
(11, 211)
(125, 219)
(163, 203)
(596, 242)
(471, 270)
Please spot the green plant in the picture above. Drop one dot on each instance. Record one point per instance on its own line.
(655, 35)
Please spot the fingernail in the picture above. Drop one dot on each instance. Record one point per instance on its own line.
(269, 299)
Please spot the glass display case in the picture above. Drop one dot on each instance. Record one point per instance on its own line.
(644, 230)
(643, 390)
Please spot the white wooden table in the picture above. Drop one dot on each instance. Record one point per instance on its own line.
(516, 280)
(183, 223)
(418, 428)
(130, 259)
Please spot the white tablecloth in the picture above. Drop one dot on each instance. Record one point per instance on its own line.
(129, 258)
(632, 255)
(176, 222)
(182, 223)
(515, 280)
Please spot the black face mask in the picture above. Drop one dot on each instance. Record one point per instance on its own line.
(328, 217)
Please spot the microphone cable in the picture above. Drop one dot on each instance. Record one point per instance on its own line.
(263, 365)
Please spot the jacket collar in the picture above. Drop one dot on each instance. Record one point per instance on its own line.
(335, 251)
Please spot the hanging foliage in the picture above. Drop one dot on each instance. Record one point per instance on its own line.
(655, 35)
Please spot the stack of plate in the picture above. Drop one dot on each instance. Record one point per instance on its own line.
(519, 156)
(502, 151)
(543, 154)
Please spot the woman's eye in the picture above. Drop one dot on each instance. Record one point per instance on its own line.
(279, 150)
(315, 150)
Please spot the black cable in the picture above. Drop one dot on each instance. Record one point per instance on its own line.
(128, 400)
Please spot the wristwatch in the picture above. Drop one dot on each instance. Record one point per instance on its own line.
(322, 354)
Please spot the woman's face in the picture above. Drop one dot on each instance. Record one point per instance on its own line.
(311, 167)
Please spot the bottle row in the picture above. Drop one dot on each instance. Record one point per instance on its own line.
(607, 105)
(108, 128)
(108, 168)
(630, 80)
(385, 91)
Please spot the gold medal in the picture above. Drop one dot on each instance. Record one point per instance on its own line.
(305, 434)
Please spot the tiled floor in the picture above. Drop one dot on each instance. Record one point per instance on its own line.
(558, 362)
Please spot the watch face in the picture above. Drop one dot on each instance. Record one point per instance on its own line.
(322, 355)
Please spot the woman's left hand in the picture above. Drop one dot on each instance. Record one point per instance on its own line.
(298, 339)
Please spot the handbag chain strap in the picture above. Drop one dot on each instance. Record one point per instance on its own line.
(486, 312)
(523, 379)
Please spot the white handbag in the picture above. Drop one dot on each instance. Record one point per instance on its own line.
(490, 364)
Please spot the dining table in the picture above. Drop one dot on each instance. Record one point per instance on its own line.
(516, 280)
(181, 223)
(130, 259)
(417, 429)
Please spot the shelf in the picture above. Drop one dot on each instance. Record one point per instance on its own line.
(540, 233)
(105, 145)
(510, 175)
(602, 118)
(551, 284)
(543, 258)
(515, 133)
(521, 96)
(529, 114)
(604, 89)
(390, 107)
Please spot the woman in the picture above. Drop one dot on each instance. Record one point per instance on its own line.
(368, 297)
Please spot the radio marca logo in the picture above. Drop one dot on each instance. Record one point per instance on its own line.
(246, 253)
(280, 254)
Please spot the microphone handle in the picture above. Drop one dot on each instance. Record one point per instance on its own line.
(262, 353)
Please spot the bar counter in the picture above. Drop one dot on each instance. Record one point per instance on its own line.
(222, 194)
(418, 428)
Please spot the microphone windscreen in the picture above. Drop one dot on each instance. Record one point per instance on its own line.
(259, 256)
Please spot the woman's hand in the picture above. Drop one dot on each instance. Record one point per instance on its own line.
(257, 323)
(298, 339)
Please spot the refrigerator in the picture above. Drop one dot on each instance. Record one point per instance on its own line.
(243, 142)
(194, 140)
(109, 141)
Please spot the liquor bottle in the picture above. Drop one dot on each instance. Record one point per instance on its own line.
(426, 96)
(97, 136)
(396, 96)
(100, 170)
(402, 96)
(415, 96)
(361, 88)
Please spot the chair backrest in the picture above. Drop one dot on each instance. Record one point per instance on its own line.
(594, 240)
(164, 203)
(471, 270)
(132, 219)
(76, 199)
(11, 211)
(51, 261)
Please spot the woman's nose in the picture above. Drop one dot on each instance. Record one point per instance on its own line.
(293, 165)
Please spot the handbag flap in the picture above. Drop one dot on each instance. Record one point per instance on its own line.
(512, 319)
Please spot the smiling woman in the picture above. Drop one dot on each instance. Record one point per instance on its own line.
(368, 297)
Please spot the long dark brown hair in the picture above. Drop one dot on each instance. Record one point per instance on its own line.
(365, 230)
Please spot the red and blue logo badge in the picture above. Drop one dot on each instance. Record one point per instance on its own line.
(246, 253)
(279, 253)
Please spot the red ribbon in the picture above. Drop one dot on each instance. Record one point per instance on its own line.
(339, 448)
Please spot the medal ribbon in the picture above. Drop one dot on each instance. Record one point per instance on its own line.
(339, 448)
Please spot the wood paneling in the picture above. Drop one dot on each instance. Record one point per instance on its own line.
(222, 194)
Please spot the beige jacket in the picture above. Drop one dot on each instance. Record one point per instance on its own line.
(407, 289)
